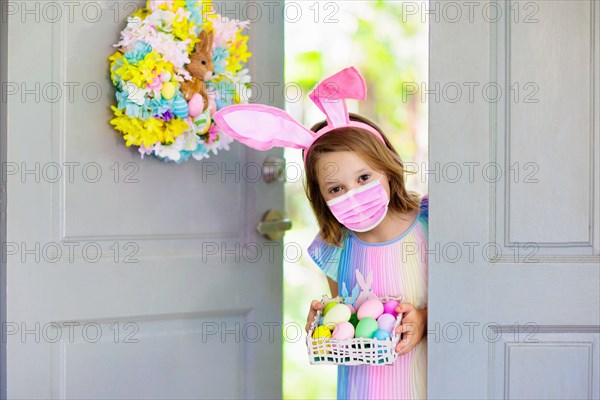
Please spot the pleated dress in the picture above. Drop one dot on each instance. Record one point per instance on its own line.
(399, 267)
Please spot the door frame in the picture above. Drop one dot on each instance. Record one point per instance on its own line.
(3, 189)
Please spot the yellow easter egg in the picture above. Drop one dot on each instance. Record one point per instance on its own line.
(168, 90)
(321, 332)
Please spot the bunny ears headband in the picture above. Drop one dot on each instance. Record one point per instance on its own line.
(264, 127)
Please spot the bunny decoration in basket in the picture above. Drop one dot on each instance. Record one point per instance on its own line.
(366, 292)
(350, 299)
(357, 328)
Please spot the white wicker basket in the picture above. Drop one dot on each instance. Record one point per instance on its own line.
(356, 351)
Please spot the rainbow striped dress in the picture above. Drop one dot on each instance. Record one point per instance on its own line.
(399, 268)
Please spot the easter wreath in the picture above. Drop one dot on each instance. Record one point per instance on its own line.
(175, 67)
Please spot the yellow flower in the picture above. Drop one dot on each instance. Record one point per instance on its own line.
(113, 61)
(142, 13)
(148, 132)
(143, 72)
(182, 28)
(238, 53)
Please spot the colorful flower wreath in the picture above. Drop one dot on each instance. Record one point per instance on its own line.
(175, 67)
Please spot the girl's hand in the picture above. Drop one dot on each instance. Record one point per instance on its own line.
(412, 327)
(314, 306)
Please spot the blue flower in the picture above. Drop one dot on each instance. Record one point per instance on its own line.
(226, 91)
(160, 105)
(220, 56)
(201, 149)
(195, 8)
(138, 52)
(132, 109)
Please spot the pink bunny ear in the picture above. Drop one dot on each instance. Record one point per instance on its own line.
(330, 94)
(263, 127)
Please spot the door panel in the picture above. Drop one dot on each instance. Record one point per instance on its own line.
(134, 278)
(515, 240)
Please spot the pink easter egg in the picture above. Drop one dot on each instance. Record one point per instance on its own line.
(212, 104)
(196, 105)
(390, 307)
(386, 322)
(343, 331)
(371, 308)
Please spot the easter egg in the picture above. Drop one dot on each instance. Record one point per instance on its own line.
(353, 320)
(371, 308)
(321, 332)
(366, 328)
(390, 306)
(381, 334)
(202, 122)
(165, 76)
(386, 322)
(343, 331)
(337, 313)
(212, 105)
(196, 105)
(328, 307)
(180, 107)
(168, 90)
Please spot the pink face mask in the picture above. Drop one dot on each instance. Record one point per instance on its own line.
(363, 208)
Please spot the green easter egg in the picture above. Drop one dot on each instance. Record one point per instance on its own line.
(366, 328)
(328, 307)
(354, 320)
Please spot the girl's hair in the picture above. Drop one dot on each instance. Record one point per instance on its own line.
(383, 158)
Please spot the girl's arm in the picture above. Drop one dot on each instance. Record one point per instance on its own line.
(333, 286)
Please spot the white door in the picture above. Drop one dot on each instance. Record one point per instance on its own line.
(128, 278)
(514, 217)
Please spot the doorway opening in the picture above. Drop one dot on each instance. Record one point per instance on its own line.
(387, 41)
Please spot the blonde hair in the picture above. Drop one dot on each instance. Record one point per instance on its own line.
(367, 146)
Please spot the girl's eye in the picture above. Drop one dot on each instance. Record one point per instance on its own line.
(333, 189)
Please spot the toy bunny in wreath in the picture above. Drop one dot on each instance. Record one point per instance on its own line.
(201, 68)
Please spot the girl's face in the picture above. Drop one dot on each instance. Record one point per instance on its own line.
(341, 171)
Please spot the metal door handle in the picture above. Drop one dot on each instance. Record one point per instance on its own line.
(273, 225)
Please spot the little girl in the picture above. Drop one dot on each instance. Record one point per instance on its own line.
(368, 220)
